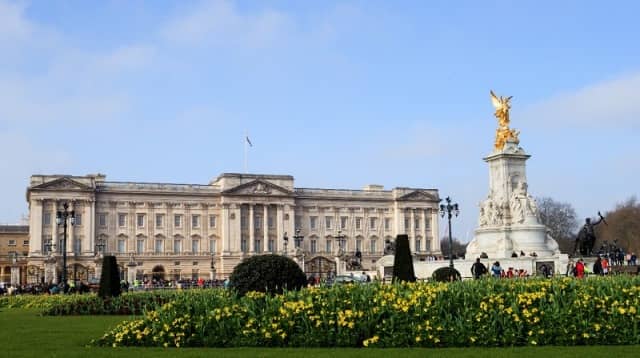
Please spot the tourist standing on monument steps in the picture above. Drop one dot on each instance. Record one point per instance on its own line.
(478, 269)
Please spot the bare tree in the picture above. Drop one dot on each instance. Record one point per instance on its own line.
(561, 219)
(458, 248)
(623, 226)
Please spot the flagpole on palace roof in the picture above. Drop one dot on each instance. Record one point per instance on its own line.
(246, 150)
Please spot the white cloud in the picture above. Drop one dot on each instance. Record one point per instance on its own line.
(126, 58)
(218, 22)
(13, 25)
(609, 104)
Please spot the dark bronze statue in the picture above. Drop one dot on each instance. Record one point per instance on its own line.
(587, 236)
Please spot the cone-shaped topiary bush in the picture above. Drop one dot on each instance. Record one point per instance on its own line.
(267, 273)
(446, 274)
(402, 262)
(110, 279)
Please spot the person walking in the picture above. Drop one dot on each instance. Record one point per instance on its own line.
(478, 269)
(579, 271)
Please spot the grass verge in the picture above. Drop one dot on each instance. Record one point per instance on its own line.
(23, 333)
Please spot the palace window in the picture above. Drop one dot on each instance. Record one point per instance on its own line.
(328, 221)
(373, 246)
(46, 218)
(159, 246)
(313, 244)
(426, 223)
(417, 222)
(243, 245)
(418, 248)
(328, 247)
(139, 246)
(12, 242)
(121, 246)
(343, 222)
(195, 221)
(212, 246)
(159, 220)
(212, 221)
(298, 221)
(78, 220)
(359, 245)
(102, 220)
(271, 222)
(407, 224)
(177, 221)
(257, 223)
(373, 223)
(195, 246)
(122, 219)
(358, 223)
(272, 246)
(312, 222)
(177, 246)
(257, 245)
(387, 223)
(140, 220)
(77, 245)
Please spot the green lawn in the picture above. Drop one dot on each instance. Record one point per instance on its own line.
(25, 334)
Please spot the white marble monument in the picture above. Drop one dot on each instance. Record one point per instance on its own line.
(508, 222)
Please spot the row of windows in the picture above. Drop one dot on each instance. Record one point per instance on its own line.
(46, 219)
(12, 242)
(159, 246)
(344, 220)
(159, 220)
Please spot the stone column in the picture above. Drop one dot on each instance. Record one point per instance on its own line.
(87, 221)
(252, 230)
(265, 228)
(54, 228)
(279, 227)
(35, 226)
(412, 231)
(15, 275)
(225, 237)
(398, 225)
(423, 228)
(70, 232)
(435, 240)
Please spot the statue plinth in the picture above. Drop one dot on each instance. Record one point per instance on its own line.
(508, 220)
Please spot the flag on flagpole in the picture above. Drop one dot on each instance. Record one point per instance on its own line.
(248, 141)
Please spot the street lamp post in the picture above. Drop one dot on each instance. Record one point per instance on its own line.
(298, 239)
(286, 243)
(61, 219)
(449, 209)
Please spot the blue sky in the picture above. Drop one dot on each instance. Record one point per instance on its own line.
(337, 94)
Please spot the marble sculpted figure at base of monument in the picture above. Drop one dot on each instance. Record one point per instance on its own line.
(508, 220)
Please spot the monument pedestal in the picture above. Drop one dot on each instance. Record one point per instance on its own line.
(508, 220)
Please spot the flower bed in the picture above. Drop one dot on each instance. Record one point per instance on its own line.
(134, 303)
(470, 313)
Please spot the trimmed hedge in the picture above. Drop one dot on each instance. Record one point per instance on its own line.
(446, 274)
(402, 261)
(110, 278)
(267, 273)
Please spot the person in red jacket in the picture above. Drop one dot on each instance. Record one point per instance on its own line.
(579, 273)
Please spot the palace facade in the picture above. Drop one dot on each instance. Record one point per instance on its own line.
(190, 231)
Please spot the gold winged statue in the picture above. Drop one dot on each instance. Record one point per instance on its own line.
(503, 133)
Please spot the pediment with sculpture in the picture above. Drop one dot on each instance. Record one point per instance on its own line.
(419, 195)
(63, 183)
(258, 187)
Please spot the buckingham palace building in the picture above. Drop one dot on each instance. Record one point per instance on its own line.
(191, 231)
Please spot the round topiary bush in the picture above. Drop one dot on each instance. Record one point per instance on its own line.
(446, 274)
(267, 273)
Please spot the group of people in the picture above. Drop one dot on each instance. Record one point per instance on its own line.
(478, 269)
